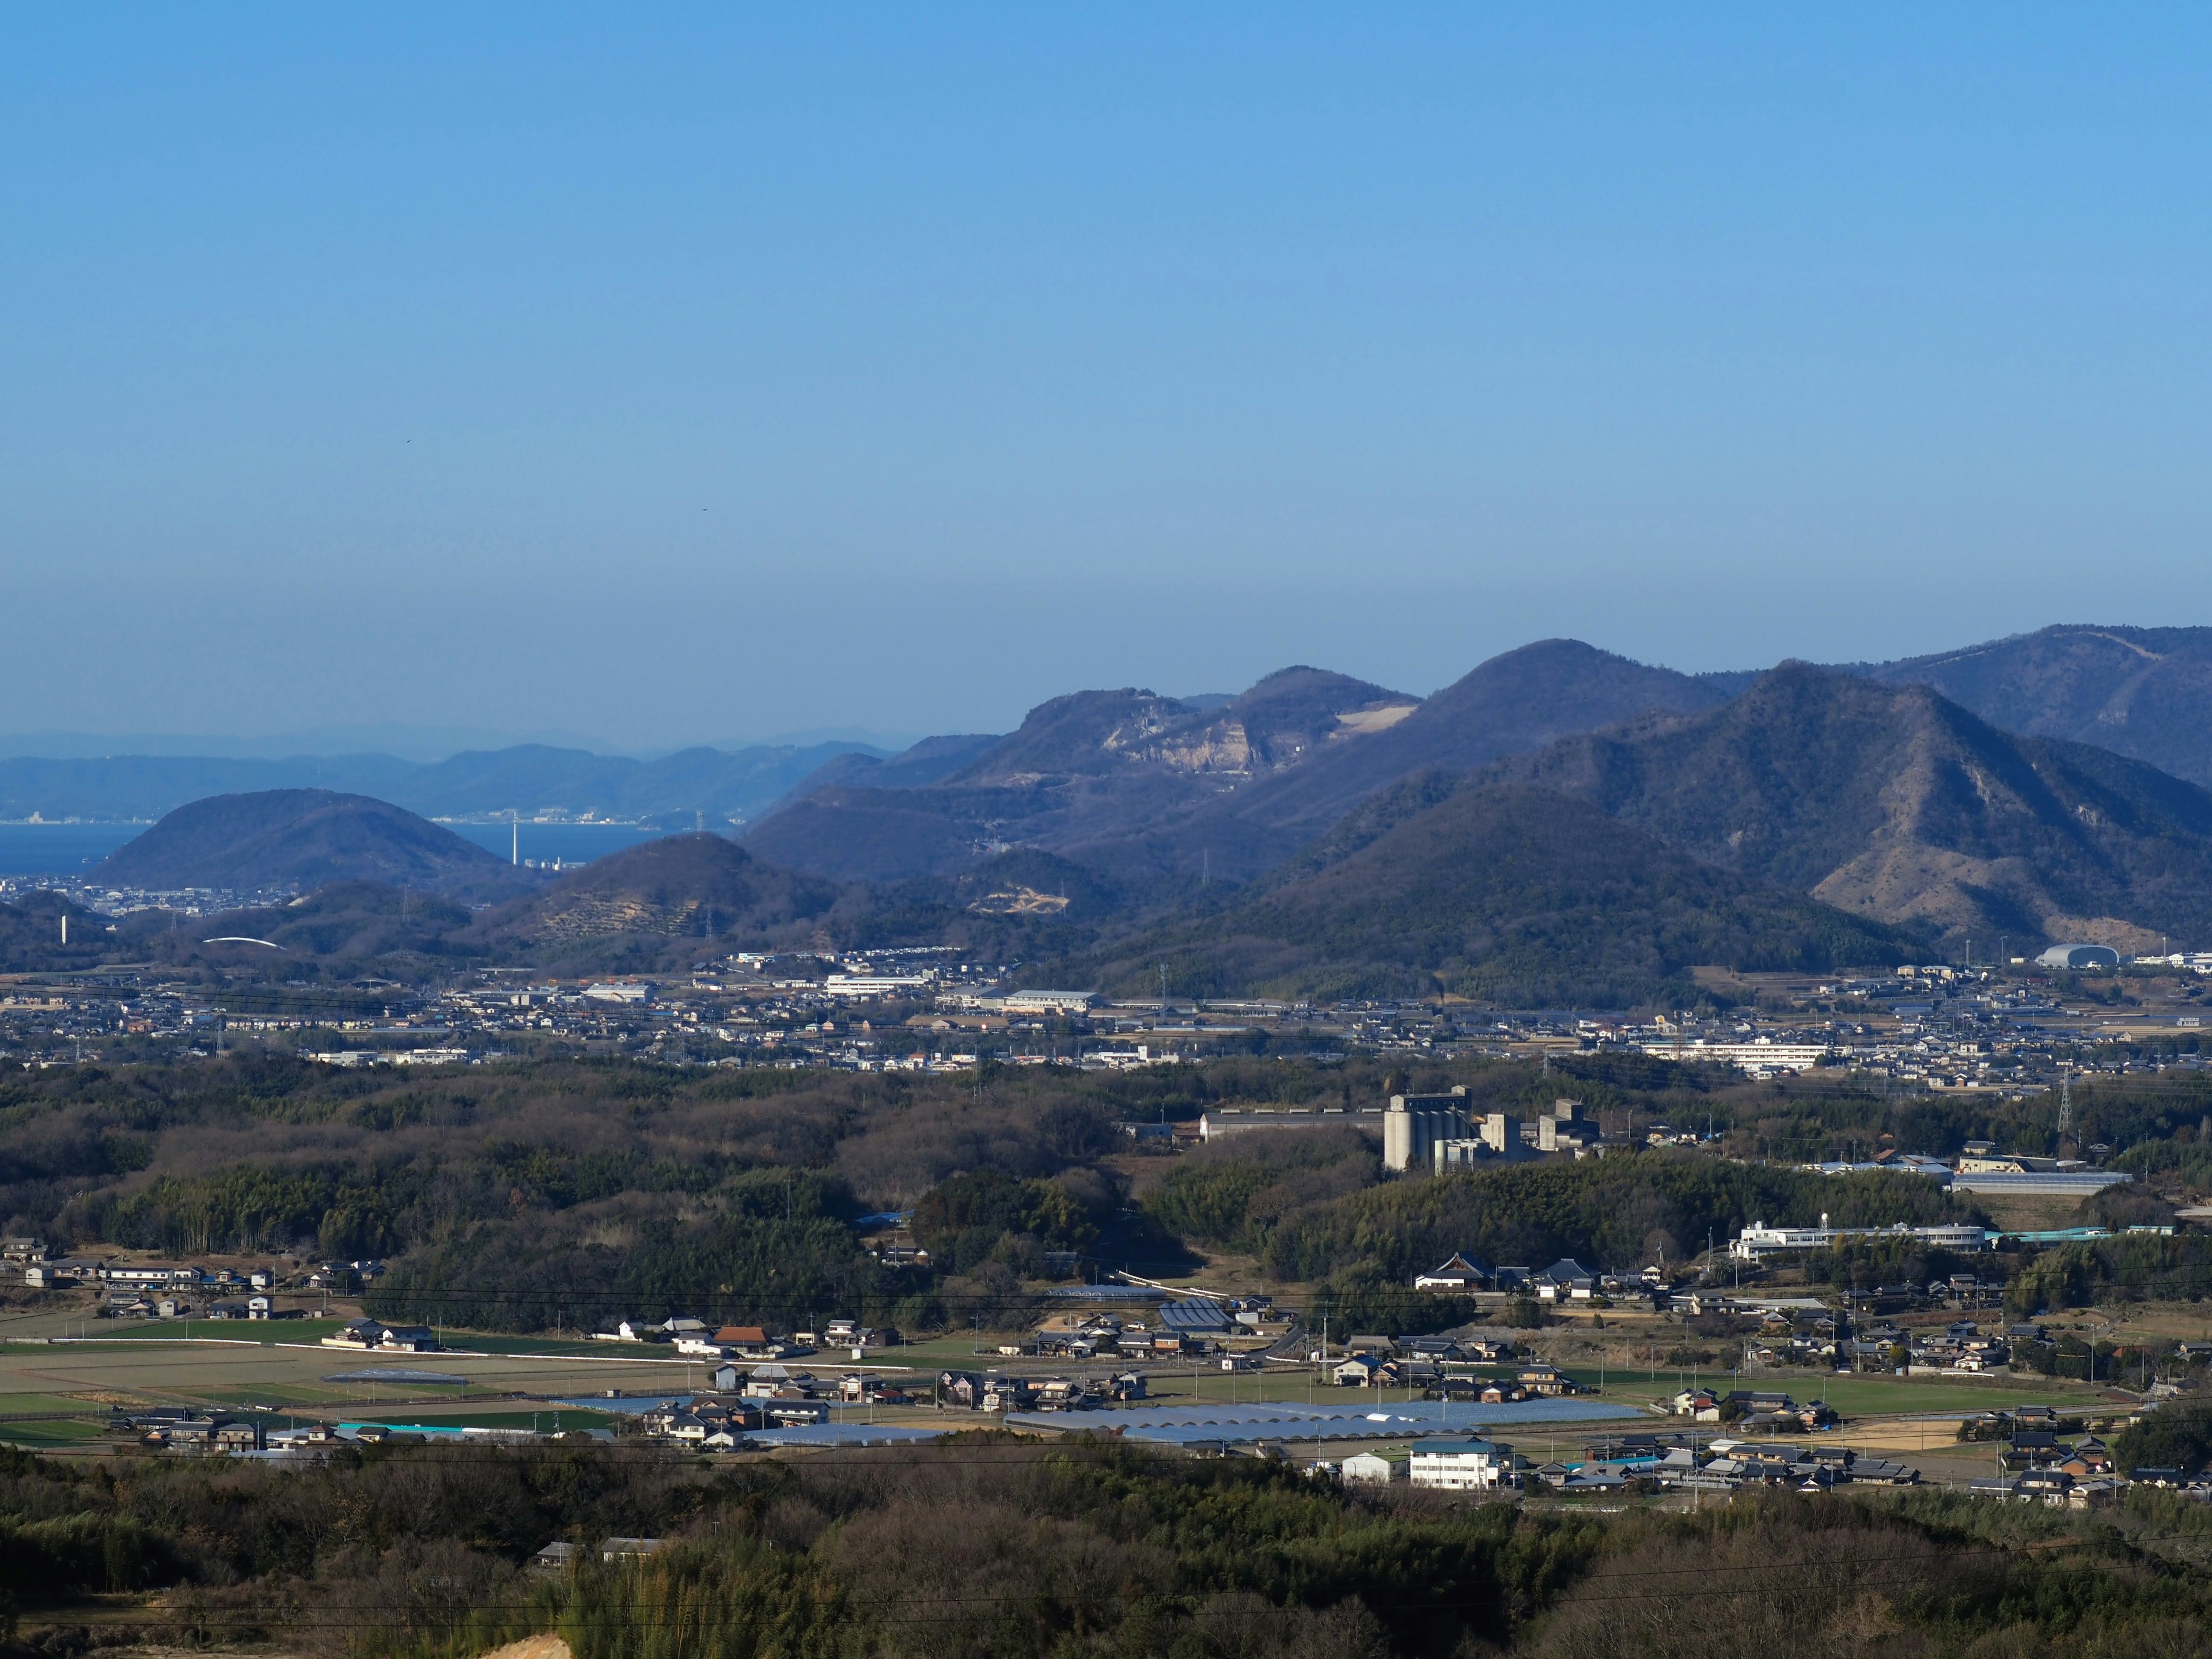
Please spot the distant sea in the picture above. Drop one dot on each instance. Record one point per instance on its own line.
(59, 849)
(70, 849)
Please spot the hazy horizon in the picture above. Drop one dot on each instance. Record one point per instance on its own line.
(431, 744)
(686, 377)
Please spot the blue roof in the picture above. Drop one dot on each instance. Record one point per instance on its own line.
(1455, 1447)
(1194, 1314)
(1199, 1423)
(844, 1434)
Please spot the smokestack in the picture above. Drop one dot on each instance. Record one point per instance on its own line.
(516, 822)
(65, 928)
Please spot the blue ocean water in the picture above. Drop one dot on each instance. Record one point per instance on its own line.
(59, 849)
(69, 849)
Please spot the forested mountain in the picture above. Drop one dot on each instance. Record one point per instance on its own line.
(304, 838)
(31, 935)
(657, 901)
(1514, 703)
(1502, 894)
(2142, 692)
(1894, 803)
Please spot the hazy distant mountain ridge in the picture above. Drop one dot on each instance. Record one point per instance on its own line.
(1158, 791)
(304, 838)
(528, 780)
(1093, 775)
(930, 761)
(1894, 803)
(2142, 692)
(1513, 703)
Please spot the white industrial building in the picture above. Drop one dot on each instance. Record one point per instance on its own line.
(1461, 1465)
(1760, 1240)
(1415, 1123)
(2079, 956)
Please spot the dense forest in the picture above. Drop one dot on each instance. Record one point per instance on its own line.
(986, 1547)
(552, 1195)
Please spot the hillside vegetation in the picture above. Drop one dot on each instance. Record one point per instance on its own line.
(528, 1197)
(1894, 804)
(2142, 692)
(1516, 896)
(305, 838)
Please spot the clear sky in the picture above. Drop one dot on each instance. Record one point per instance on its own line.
(659, 376)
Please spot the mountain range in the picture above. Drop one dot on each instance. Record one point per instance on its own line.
(529, 781)
(1559, 825)
(2142, 692)
(1894, 803)
(1500, 893)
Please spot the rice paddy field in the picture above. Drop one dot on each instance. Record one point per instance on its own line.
(56, 1388)
(60, 1376)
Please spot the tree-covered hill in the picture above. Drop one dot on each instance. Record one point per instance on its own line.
(1893, 803)
(305, 838)
(1518, 896)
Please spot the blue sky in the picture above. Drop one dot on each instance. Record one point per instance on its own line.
(699, 375)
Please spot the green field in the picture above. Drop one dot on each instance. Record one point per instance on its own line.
(37, 1436)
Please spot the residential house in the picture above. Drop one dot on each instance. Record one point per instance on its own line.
(1699, 1405)
(375, 1333)
(1565, 1279)
(1435, 1349)
(1459, 1272)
